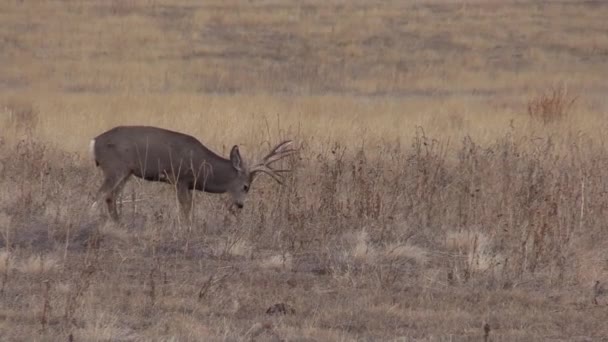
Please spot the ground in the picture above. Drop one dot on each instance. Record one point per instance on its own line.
(449, 184)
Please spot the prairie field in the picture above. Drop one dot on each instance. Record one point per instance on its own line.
(449, 185)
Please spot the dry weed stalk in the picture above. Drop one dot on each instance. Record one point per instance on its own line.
(486, 332)
(214, 280)
(152, 289)
(598, 290)
(46, 306)
(73, 297)
(22, 118)
(552, 105)
(6, 221)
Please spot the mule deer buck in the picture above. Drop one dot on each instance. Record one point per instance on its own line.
(160, 155)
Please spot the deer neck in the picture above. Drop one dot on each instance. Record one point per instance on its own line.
(218, 177)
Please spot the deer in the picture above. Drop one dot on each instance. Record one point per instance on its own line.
(160, 155)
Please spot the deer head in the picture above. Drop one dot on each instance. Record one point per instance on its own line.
(246, 175)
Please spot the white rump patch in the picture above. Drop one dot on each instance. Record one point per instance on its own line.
(92, 148)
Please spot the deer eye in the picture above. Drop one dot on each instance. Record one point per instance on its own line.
(246, 188)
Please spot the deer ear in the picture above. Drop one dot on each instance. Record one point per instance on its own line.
(235, 158)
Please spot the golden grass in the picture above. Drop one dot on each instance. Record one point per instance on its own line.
(86, 66)
(438, 187)
(259, 120)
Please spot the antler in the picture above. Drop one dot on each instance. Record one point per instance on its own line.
(281, 151)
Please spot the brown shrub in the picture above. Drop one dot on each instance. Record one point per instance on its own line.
(552, 105)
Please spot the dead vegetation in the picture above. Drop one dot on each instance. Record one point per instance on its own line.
(447, 218)
(553, 105)
(371, 248)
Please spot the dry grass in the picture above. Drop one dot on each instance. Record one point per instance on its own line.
(553, 105)
(441, 185)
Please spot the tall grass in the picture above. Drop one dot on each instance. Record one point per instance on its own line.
(518, 212)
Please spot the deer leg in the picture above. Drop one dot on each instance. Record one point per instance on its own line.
(109, 189)
(105, 192)
(184, 197)
(111, 197)
(111, 204)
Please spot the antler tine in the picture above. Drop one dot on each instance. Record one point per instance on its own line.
(280, 170)
(274, 150)
(278, 156)
(279, 152)
(272, 173)
(281, 146)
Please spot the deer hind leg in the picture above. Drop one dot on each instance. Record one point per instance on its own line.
(110, 188)
(184, 197)
(115, 191)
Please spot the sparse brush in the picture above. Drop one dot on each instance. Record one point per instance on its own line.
(74, 296)
(552, 105)
(21, 118)
(38, 264)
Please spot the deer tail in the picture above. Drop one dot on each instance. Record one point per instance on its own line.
(92, 151)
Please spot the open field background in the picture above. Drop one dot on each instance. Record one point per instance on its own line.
(440, 187)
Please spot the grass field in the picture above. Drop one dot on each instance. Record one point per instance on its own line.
(450, 183)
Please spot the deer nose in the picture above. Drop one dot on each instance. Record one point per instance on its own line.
(239, 205)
